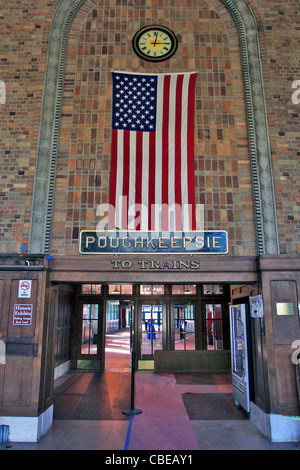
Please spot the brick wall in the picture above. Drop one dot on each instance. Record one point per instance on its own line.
(23, 37)
(279, 24)
(99, 42)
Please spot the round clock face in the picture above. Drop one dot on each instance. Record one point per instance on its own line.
(154, 43)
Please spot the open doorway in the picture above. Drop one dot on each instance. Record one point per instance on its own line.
(118, 335)
(172, 322)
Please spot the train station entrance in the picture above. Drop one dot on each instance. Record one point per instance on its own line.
(88, 314)
(175, 313)
(163, 321)
(177, 332)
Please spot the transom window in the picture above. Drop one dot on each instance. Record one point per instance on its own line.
(91, 288)
(152, 289)
(211, 289)
(120, 289)
(184, 289)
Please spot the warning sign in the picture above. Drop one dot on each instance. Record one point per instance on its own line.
(24, 289)
(22, 314)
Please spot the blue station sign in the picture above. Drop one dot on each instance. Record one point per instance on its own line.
(136, 241)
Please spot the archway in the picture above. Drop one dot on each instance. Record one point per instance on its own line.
(262, 179)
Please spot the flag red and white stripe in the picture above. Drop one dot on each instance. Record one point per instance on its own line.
(152, 181)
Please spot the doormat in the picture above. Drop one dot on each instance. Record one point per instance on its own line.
(212, 406)
(203, 378)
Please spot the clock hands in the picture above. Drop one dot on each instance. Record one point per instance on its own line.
(160, 43)
(154, 44)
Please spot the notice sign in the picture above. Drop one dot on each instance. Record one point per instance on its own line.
(24, 289)
(22, 314)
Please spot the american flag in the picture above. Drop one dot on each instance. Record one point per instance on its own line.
(152, 182)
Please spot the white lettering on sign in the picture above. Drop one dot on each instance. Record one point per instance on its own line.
(24, 289)
(22, 314)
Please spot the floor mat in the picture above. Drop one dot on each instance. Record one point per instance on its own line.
(212, 406)
(202, 378)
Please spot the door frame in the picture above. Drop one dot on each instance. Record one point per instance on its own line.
(90, 361)
(225, 321)
(184, 301)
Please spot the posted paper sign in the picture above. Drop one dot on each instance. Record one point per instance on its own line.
(24, 289)
(22, 314)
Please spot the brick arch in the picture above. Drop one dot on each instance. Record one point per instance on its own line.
(262, 178)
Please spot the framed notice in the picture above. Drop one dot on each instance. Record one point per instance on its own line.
(22, 314)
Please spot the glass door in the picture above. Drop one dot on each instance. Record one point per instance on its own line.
(214, 325)
(184, 327)
(151, 328)
(89, 353)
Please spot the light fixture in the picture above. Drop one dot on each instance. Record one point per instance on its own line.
(116, 290)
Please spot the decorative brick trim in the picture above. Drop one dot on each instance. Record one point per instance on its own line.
(44, 187)
(259, 144)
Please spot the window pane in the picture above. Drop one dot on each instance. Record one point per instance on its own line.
(145, 290)
(184, 326)
(158, 290)
(189, 289)
(183, 289)
(91, 288)
(152, 289)
(151, 329)
(89, 335)
(177, 290)
(96, 288)
(126, 289)
(210, 289)
(114, 289)
(112, 318)
(120, 289)
(86, 288)
(214, 327)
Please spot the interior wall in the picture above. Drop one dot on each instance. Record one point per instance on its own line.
(100, 41)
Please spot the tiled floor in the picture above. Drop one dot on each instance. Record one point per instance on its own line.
(179, 412)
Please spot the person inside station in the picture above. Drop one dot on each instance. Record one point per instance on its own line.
(182, 328)
(150, 329)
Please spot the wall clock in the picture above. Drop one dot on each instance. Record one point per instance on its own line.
(155, 43)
